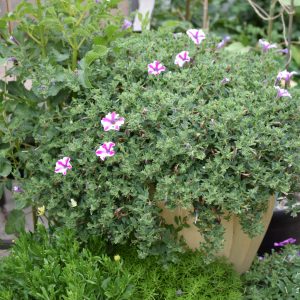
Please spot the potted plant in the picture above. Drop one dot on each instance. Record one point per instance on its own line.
(170, 119)
(46, 55)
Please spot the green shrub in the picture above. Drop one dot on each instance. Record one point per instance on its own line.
(56, 266)
(275, 277)
(188, 140)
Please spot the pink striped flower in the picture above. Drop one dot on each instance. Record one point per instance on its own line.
(156, 68)
(265, 45)
(197, 35)
(63, 165)
(106, 150)
(182, 58)
(282, 92)
(112, 121)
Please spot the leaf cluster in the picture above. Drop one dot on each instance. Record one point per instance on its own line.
(275, 276)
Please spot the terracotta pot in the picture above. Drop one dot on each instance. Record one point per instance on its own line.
(239, 248)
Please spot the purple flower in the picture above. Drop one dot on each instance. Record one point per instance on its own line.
(112, 121)
(17, 189)
(284, 51)
(156, 68)
(223, 43)
(265, 45)
(63, 165)
(282, 92)
(260, 258)
(286, 76)
(106, 150)
(285, 242)
(225, 80)
(197, 35)
(126, 24)
(182, 58)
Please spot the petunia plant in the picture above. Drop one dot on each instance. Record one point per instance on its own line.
(211, 135)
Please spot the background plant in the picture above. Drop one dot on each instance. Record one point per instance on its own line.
(218, 148)
(235, 18)
(274, 276)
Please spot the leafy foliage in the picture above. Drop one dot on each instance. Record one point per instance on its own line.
(274, 277)
(188, 140)
(56, 266)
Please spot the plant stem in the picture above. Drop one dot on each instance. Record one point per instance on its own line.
(74, 58)
(271, 15)
(290, 31)
(41, 28)
(8, 10)
(205, 15)
(187, 10)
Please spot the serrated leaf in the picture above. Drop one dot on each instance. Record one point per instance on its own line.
(15, 222)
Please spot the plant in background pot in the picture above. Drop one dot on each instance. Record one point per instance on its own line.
(176, 133)
(47, 57)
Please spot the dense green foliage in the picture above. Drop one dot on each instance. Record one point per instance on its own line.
(190, 278)
(275, 277)
(188, 140)
(43, 266)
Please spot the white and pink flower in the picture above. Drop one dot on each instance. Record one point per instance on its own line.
(106, 150)
(197, 35)
(282, 92)
(182, 58)
(156, 68)
(63, 165)
(112, 121)
(286, 76)
(265, 45)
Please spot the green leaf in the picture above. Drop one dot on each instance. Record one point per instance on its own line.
(237, 47)
(15, 222)
(288, 2)
(97, 52)
(5, 167)
(296, 54)
(2, 185)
